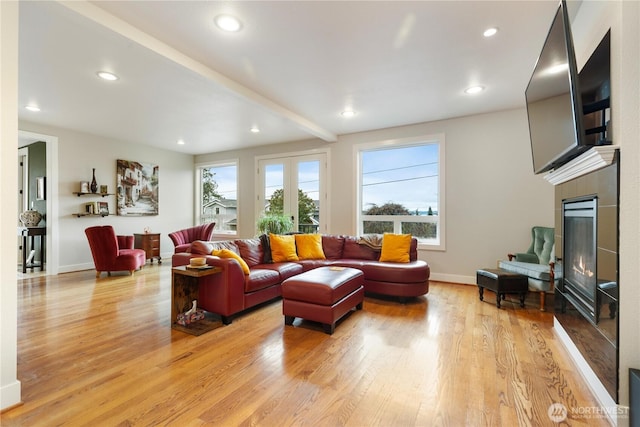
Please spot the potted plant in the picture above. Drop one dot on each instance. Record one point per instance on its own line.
(275, 223)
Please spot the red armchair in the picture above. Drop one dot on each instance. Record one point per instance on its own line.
(113, 253)
(182, 238)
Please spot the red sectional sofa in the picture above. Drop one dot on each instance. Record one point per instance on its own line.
(231, 291)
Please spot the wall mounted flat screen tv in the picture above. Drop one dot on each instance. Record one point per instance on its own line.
(554, 106)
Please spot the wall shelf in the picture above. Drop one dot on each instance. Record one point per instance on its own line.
(95, 206)
(78, 215)
(79, 193)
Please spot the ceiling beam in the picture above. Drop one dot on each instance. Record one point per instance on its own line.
(117, 25)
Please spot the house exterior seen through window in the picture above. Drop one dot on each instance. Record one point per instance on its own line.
(219, 196)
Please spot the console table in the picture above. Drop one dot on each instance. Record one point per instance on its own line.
(150, 244)
(185, 283)
(32, 232)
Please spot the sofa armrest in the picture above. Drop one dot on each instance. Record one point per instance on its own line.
(223, 293)
(230, 264)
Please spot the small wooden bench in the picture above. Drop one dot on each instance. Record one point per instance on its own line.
(502, 282)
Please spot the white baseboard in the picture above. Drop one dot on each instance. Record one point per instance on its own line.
(75, 267)
(453, 278)
(10, 395)
(90, 266)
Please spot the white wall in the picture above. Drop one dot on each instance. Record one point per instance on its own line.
(78, 154)
(492, 196)
(9, 384)
(590, 25)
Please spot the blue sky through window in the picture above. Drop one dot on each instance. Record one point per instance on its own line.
(404, 175)
(226, 177)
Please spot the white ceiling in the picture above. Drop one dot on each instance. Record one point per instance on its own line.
(290, 71)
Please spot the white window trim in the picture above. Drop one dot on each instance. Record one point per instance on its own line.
(399, 142)
(217, 235)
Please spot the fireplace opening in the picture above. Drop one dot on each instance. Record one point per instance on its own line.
(579, 218)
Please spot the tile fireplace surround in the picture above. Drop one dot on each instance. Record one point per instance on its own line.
(596, 343)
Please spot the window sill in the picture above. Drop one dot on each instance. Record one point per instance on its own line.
(224, 236)
(431, 247)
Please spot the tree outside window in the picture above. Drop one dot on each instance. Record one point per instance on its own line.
(218, 197)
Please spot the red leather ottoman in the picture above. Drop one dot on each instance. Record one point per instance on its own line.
(323, 294)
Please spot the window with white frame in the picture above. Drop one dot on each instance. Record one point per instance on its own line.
(218, 196)
(401, 186)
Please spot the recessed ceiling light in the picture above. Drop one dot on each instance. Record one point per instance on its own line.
(33, 108)
(228, 23)
(105, 75)
(490, 32)
(255, 129)
(348, 113)
(474, 89)
(180, 142)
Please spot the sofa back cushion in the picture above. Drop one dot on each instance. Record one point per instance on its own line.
(332, 246)
(354, 250)
(205, 248)
(226, 244)
(413, 250)
(201, 247)
(251, 251)
(227, 253)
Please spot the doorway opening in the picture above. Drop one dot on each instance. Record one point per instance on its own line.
(50, 196)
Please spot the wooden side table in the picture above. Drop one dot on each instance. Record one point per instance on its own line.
(149, 243)
(31, 232)
(185, 283)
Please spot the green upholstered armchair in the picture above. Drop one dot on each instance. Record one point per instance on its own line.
(541, 248)
(537, 263)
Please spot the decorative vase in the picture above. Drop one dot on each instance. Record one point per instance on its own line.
(94, 184)
(30, 218)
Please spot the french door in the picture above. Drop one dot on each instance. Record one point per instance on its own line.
(294, 186)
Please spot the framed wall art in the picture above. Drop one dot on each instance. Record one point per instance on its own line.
(41, 188)
(137, 188)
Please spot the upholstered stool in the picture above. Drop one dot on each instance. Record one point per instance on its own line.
(324, 295)
(502, 282)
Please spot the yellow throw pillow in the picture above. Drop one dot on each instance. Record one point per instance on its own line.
(309, 246)
(283, 248)
(395, 247)
(228, 253)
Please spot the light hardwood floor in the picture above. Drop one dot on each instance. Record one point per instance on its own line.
(101, 352)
